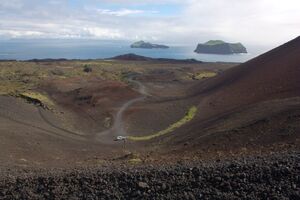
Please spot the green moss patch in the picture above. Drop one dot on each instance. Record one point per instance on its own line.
(200, 75)
(134, 161)
(214, 42)
(204, 74)
(188, 117)
(11, 88)
(38, 99)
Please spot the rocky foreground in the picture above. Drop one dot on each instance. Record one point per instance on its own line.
(271, 177)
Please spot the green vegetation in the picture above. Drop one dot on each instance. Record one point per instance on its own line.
(21, 79)
(204, 74)
(147, 45)
(237, 47)
(188, 117)
(87, 69)
(220, 47)
(214, 42)
(135, 161)
(11, 88)
(17, 78)
(38, 98)
(200, 75)
(26, 80)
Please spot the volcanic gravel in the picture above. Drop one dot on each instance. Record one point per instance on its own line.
(270, 177)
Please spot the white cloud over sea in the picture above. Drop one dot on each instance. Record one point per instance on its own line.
(266, 22)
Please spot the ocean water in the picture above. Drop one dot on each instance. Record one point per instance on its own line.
(25, 49)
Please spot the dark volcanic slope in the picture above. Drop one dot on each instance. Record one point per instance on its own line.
(259, 89)
(272, 75)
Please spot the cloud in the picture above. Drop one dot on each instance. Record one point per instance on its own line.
(139, 2)
(98, 32)
(255, 21)
(266, 22)
(119, 13)
(11, 4)
(16, 34)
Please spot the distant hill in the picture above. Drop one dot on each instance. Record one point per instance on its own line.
(220, 47)
(134, 57)
(131, 56)
(147, 45)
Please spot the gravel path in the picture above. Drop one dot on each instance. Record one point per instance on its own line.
(271, 177)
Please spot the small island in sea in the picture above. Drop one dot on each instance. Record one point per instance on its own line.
(220, 47)
(148, 45)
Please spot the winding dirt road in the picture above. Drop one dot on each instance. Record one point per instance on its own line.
(105, 137)
(117, 129)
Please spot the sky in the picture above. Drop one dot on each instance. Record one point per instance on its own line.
(263, 22)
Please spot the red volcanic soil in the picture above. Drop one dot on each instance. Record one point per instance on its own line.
(84, 107)
(89, 91)
(255, 101)
(90, 98)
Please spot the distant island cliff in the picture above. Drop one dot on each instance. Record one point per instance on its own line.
(220, 47)
(148, 45)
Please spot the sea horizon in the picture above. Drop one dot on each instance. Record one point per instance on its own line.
(84, 49)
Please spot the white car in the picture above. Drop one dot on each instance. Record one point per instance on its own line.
(120, 138)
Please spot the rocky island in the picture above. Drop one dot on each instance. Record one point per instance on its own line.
(148, 45)
(220, 47)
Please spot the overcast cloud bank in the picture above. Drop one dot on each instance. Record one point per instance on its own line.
(264, 22)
